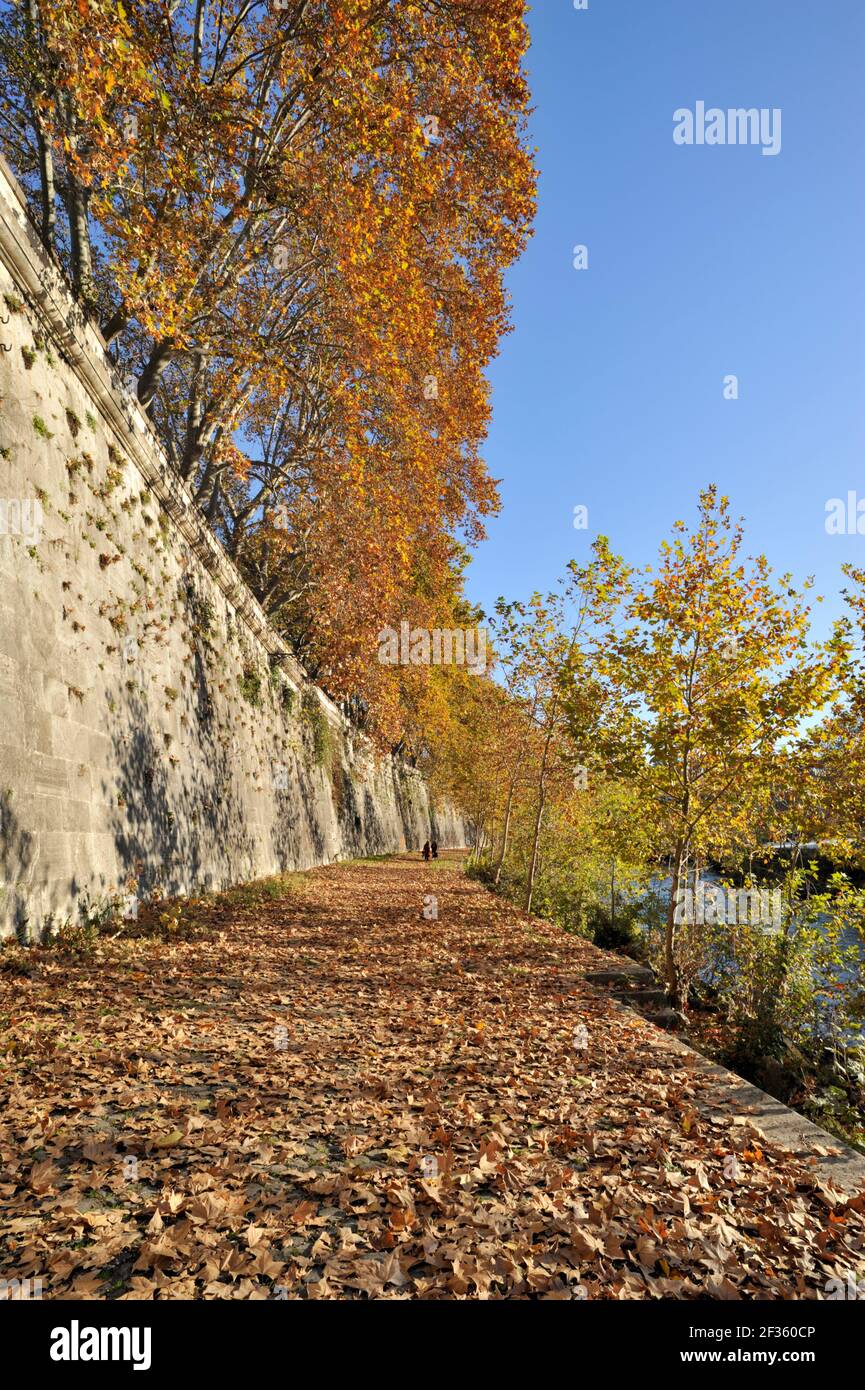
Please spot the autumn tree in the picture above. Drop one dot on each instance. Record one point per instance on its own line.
(292, 221)
(711, 674)
(829, 786)
(544, 646)
(466, 753)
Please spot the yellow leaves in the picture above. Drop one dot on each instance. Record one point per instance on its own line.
(168, 1141)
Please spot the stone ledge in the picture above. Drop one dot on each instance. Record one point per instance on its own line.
(780, 1126)
(783, 1127)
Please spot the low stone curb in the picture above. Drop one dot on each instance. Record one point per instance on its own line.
(785, 1128)
(780, 1126)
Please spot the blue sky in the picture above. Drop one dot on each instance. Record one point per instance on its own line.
(704, 261)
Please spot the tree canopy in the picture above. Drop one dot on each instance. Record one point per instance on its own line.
(292, 221)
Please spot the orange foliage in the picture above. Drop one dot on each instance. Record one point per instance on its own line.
(304, 214)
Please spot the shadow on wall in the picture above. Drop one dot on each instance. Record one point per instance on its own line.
(178, 834)
(403, 787)
(19, 852)
(348, 811)
(169, 833)
(374, 830)
(327, 797)
(439, 832)
(295, 810)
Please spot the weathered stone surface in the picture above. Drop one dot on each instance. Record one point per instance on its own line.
(668, 1018)
(151, 724)
(641, 998)
(628, 972)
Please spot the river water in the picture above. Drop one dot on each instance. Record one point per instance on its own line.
(851, 942)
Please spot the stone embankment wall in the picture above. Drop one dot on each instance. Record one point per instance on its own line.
(152, 725)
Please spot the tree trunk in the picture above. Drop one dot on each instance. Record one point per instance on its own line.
(533, 866)
(79, 233)
(613, 896)
(47, 191)
(149, 379)
(48, 228)
(542, 801)
(671, 969)
(506, 830)
(116, 324)
(76, 209)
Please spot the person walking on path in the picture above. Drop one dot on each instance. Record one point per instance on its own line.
(426, 851)
(435, 849)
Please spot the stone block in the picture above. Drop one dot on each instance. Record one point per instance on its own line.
(55, 695)
(49, 776)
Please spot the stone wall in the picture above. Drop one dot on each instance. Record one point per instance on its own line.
(151, 723)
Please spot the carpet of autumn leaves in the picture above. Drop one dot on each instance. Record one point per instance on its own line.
(280, 1073)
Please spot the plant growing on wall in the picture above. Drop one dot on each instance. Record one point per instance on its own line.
(318, 728)
(250, 686)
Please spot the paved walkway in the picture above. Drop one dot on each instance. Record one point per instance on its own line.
(328, 1095)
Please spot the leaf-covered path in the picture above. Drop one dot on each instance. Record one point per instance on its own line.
(327, 1095)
